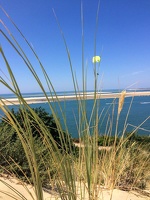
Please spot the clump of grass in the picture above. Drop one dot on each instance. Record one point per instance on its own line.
(80, 174)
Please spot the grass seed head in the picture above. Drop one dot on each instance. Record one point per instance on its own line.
(121, 101)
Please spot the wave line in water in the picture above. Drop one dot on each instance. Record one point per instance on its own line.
(148, 102)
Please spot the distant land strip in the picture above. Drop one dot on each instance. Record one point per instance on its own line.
(79, 96)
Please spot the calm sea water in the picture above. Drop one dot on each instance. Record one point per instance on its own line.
(140, 111)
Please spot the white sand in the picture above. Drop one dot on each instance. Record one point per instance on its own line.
(100, 147)
(26, 190)
(7, 194)
(34, 100)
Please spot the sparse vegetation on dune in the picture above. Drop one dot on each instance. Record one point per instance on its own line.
(35, 147)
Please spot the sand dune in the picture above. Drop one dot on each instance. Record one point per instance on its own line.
(28, 192)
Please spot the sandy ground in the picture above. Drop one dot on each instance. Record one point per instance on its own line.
(28, 192)
(33, 100)
(100, 147)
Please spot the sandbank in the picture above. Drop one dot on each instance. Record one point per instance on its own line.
(89, 95)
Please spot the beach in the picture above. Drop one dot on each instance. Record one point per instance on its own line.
(78, 96)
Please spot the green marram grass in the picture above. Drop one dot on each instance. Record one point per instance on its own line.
(79, 174)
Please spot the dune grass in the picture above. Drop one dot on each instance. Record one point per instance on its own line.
(84, 173)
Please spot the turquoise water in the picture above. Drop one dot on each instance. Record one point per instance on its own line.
(140, 110)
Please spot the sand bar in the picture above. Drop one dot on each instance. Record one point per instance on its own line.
(34, 100)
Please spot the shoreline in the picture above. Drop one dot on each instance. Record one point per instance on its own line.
(81, 96)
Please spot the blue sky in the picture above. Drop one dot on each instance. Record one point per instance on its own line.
(123, 42)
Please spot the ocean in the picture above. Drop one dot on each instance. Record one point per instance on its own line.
(138, 113)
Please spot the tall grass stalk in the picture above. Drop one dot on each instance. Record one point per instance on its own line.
(74, 176)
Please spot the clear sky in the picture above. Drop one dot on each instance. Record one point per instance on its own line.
(123, 42)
